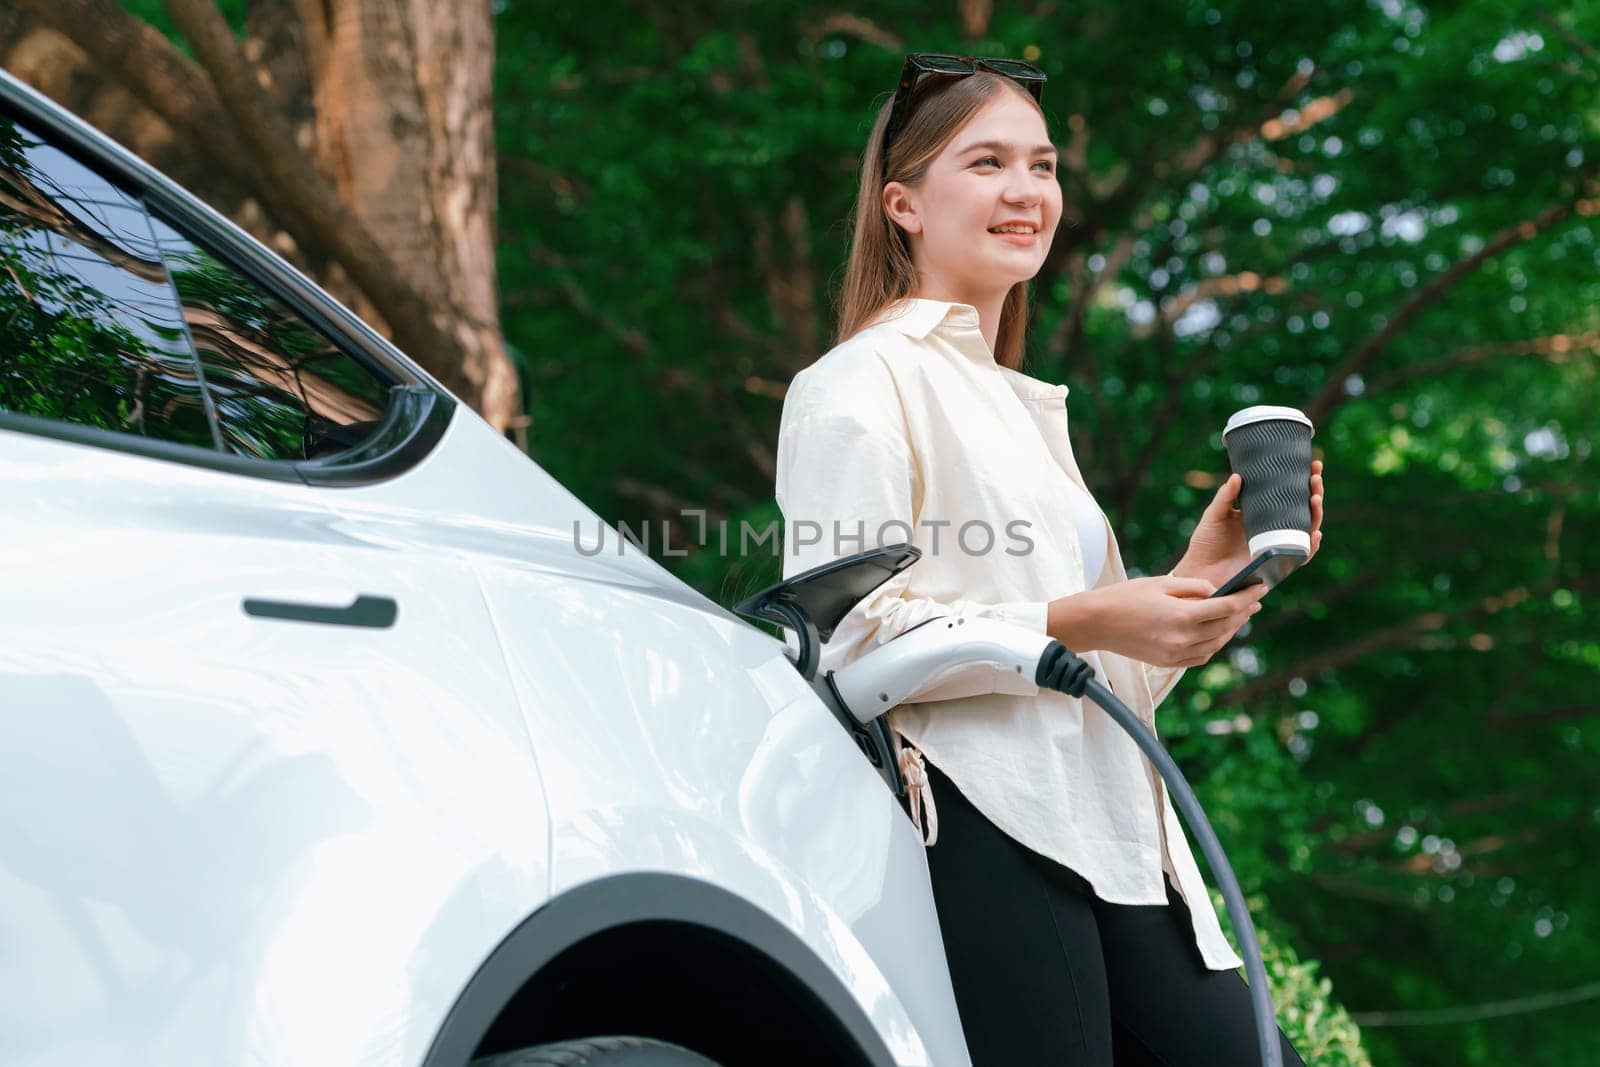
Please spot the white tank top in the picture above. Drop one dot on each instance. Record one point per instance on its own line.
(1091, 532)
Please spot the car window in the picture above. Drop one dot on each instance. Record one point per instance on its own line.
(111, 318)
(279, 389)
(90, 332)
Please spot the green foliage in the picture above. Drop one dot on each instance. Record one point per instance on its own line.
(1395, 753)
(1319, 1027)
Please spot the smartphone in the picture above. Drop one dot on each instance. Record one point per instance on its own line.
(1271, 566)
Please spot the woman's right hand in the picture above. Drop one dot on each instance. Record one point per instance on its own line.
(1165, 621)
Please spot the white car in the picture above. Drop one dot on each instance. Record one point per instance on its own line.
(322, 743)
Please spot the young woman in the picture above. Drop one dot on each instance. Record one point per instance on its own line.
(1075, 921)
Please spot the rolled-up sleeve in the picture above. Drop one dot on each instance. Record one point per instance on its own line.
(848, 481)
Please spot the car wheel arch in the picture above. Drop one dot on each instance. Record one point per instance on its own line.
(651, 920)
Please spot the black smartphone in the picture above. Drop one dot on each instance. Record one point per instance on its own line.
(1271, 566)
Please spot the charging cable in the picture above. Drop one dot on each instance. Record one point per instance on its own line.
(922, 658)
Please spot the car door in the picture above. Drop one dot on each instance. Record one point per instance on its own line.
(265, 791)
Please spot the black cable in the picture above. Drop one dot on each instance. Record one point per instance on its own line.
(1064, 671)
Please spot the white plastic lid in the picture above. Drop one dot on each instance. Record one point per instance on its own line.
(1264, 413)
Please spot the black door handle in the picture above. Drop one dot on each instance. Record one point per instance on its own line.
(367, 612)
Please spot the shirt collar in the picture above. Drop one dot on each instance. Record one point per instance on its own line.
(917, 318)
(1032, 390)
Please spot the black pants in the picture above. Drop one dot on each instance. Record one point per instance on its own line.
(1046, 973)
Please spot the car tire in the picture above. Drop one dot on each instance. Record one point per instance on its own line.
(599, 1052)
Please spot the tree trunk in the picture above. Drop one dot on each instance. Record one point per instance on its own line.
(405, 131)
(390, 100)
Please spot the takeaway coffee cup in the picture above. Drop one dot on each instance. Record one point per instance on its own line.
(1270, 448)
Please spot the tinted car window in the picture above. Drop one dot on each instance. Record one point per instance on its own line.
(90, 332)
(279, 389)
(110, 318)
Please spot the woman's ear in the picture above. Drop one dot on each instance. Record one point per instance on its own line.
(901, 208)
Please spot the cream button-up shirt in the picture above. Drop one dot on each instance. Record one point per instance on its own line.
(910, 431)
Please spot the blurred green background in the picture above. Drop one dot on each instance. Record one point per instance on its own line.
(1380, 212)
(1376, 211)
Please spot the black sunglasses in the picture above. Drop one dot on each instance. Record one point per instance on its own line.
(917, 64)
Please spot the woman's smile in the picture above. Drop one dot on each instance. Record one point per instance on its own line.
(1016, 235)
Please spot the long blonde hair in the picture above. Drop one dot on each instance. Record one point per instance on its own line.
(880, 271)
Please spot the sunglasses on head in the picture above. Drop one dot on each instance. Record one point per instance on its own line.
(938, 64)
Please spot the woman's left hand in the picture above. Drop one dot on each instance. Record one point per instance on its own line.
(1219, 549)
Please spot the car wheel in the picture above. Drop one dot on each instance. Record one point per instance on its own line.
(600, 1052)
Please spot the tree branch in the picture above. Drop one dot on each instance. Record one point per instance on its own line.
(1468, 1013)
(1393, 637)
(1247, 281)
(975, 16)
(790, 285)
(160, 76)
(1354, 890)
(1064, 339)
(41, 207)
(1525, 720)
(1473, 805)
(1421, 863)
(1176, 170)
(1554, 347)
(844, 24)
(1334, 393)
(631, 338)
(297, 190)
(1173, 404)
(1582, 47)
